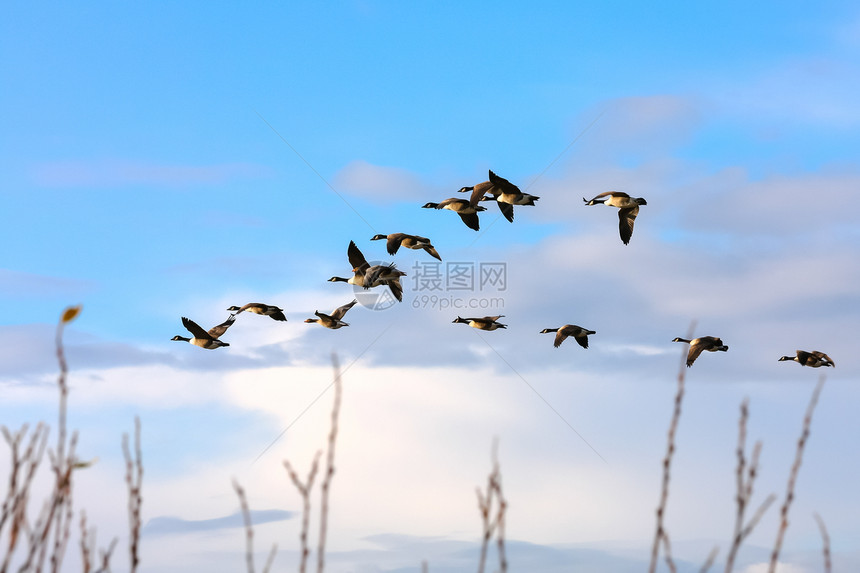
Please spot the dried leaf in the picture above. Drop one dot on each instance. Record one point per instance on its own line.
(71, 313)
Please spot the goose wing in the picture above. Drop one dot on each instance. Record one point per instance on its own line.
(195, 329)
(478, 192)
(356, 259)
(393, 242)
(626, 218)
(503, 184)
(217, 331)
(507, 210)
(432, 251)
(579, 334)
(396, 289)
(821, 356)
(277, 314)
(560, 335)
(338, 313)
(471, 220)
(696, 348)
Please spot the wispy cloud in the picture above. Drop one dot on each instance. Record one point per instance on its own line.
(379, 183)
(168, 525)
(120, 172)
(17, 285)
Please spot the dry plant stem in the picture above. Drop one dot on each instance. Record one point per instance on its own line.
(21, 475)
(667, 550)
(329, 470)
(86, 545)
(667, 463)
(484, 508)
(62, 464)
(712, 556)
(249, 530)
(792, 477)
(500, 537)
(105, 555)
(825, 539)
(133, 479)
(744, 489)
(305, 492)
(497, 524)
(271, 558)
(61, 534)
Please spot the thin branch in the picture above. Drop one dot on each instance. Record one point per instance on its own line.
(825, 540)
(660, 531)
(792, 477)
(249, 529)
(87, 543)
(667, 550)
(304, 491)
(712, 556)
(133, 480)
(329, 470)
(745, 489)
(105, 555)
(497, 524)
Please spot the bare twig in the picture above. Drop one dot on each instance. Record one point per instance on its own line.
(792, 477)
(133, 480)
(667, 550)
(56, 515)
(305, 492)
(825, 540)
(495, 524)
(105, 557)
(745, 489)
(660, 531)
(249, 529)
(87, 542)
(329, 470)
(712, 556)
(21, 475)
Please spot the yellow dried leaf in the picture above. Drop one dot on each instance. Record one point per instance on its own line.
(71, 313)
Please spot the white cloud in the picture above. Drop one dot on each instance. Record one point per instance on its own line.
(780, 568)
(379, 183)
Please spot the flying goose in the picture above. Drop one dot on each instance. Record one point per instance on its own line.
(333, 320)
(260, 308)
(467, 212)
(577, 332)
(505, 193)
(814, 359)
(485, 323)
(397, 240)
(367, 276)
(208, 340)
(697, 345)
(628, 209)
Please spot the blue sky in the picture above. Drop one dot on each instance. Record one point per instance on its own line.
(168, 161)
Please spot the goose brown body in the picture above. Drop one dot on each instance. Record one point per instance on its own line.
(483, 323)
(813, 359)
(628, 210)
(577, 332)
(699, 345)
(272, 311)
(203, 338)
(396, 240)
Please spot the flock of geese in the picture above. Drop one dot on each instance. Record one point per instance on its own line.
(506, 195)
